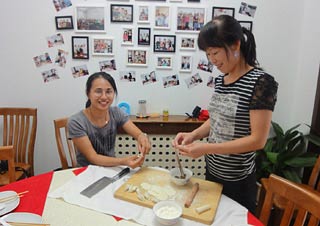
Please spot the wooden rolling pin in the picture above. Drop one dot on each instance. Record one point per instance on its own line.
(195, 189)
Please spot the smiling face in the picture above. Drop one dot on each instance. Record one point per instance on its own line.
(101, 94)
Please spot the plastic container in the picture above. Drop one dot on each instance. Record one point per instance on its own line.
(142, 109)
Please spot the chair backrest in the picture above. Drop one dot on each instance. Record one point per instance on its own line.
(306, 201)
(315, 176)
(61, 132)
(7, 153)
(19, 130)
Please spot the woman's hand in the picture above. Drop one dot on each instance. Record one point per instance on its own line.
(182, 139)
(193, 150)
(144, 144)
(134, 161)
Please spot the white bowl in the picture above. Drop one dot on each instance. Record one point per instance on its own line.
(175, 176)
(167, 212)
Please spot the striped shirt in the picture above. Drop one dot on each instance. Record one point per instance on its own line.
(102, 139)
(229, 120)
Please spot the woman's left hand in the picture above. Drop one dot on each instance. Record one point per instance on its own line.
(193, 150)
(144, 144)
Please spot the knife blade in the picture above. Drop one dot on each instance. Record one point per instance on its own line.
(103, 182)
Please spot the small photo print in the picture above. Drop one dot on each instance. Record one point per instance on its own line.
(50, 75)
(188, 43)
(169, 81)
(102, 46)
(205, 65)
(137, 57)
(162, 17)
(164, 62)
(143, 14)
(186, 62)
(217, 11)
(61, 58)
(64, 22)
(61, 4)
(127, 76)
(247, 9)
(149, 78)
(210, 82)
(108, 65)
(127, 34)
(193, 81)
(55, 40)
(79, 71)
(42, 60)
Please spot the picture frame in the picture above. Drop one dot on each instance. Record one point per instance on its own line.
(217, 11)
(121, 13)
(246, 24)
(164, 43)
(185, 63)
(195, 12)
(102, 46)
(144, 35)
(162, 17)
(64, 22)
(80, 47)
(143, 14)
(188, 43)
(137, 57)
(164, 62)
(90, 19)
(127, 36)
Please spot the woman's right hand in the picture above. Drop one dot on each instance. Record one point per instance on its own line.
(182, 139)
(134, 161)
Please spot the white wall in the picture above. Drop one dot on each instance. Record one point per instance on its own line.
(286, 33)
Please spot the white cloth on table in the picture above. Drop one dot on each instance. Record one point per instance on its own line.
(228, 213)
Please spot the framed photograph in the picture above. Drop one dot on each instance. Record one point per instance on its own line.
(217, 11)
(164, 62)
(80, 47)
(102, 46)
(190, 19)
(64, 22)
(188, 43)
(185, 63)
(162, 17)
(144, 35)
(143, 14)
(137, 57)
(121, 13)
(90, 19)
(127, 36)
(164, 43)
(246, 24)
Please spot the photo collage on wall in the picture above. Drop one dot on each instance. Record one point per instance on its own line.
(163, 33)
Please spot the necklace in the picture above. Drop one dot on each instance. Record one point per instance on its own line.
(94, 120)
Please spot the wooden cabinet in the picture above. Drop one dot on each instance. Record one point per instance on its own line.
(165, 125)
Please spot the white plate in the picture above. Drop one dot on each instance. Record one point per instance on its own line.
(10, 205)
(23, 217)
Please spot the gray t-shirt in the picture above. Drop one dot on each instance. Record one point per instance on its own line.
(102, 139)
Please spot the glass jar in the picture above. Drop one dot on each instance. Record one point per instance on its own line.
(142, 110)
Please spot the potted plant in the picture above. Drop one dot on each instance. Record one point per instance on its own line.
(285, 154)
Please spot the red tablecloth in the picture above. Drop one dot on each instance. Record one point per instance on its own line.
(38, 187)
(34, 200)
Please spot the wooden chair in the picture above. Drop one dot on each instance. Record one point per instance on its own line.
(19, 127)
(61, 132)
(305, 201)
(9, 176)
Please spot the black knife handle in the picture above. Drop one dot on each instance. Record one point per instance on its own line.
(122, 173)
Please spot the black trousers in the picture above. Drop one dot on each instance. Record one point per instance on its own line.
(243, 191)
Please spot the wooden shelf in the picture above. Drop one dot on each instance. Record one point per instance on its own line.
(165, 125)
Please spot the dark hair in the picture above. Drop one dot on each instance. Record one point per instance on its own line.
(96, 75)
(224, 31)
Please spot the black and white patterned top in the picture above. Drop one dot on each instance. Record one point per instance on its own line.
(102, 139)
(229, 119)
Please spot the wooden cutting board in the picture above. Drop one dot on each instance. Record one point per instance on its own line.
(209, 193)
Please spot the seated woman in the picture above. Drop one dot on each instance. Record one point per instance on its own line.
(94, 129)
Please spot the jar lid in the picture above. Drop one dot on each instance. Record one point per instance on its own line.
(142, 101)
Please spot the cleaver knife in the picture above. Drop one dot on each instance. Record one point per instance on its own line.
(103, 182)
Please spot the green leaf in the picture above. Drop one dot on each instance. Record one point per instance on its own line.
(277, 129)
(301, 162)
(292, 175)
(272, 157)
(291, 129)
(268, 146)
(313, 139)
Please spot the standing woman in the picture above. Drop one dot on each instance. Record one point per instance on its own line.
(240, 111)
(94, 129)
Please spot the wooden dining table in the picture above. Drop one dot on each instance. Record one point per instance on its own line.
(57, 212)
